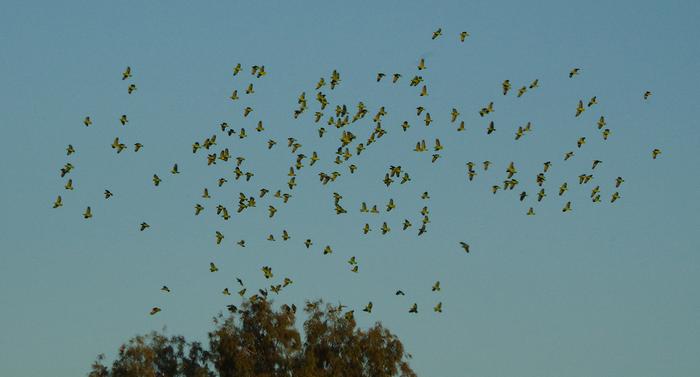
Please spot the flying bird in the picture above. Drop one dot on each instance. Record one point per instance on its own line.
(127, 73)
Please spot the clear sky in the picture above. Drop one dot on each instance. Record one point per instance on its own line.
(603, 290)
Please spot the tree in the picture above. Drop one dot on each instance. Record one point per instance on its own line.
(257, 340)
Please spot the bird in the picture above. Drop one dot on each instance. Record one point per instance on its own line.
(563, 188)
(436, 286)
(155, 310)
(212, 267)
(88, 213)
(464, 246)
(131, 88)
(58, 202)
(454, 114)
(390, 205)
(647, 94)
(593, 101)
(522, 91)
(368, 307)
(219, 237)
(506, 86)
(567, 207)
(615, 196)
(596, 163)
(87, 121)
(69, 185)
(413, 309)
(137, 147)
(70, 150)
(511, 170)
(547, 165)
(395, 77)
(491, 128)
(580, 109)
(438, 307)
(165, 289)
(127, 73)
(574, 72)
(463, 35)
(267, 272)
(123, 120)
(236, 69)
(655, 153)
(144, 226)
(385, 228)
(534, 84)
(380, 76)
(619, 181)
(437, 33)
(421, 64)
(580, 142)
(601, 122)
(531, 212)
(117, 145)
(540, 195)
(156, 180)
(174, 170)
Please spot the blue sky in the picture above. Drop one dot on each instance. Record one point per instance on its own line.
(607, 289)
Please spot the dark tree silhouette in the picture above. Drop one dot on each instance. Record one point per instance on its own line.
(257, 340)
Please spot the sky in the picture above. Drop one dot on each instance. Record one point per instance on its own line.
(608, 289)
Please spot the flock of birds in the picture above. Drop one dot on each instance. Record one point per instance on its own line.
(340, 117)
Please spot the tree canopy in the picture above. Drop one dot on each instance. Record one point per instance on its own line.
(257, 340)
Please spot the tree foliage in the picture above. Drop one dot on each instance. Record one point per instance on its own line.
(257, 340)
